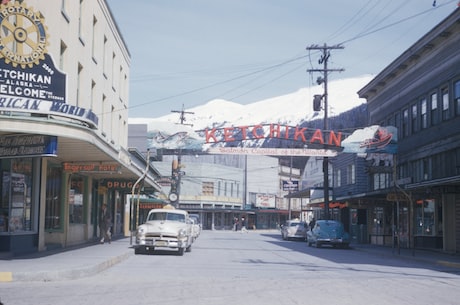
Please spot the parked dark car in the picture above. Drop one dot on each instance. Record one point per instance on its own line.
(328, 232)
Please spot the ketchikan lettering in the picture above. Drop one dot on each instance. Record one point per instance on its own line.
(260, 131)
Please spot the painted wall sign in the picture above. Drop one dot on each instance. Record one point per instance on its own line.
(90, 167)
(28, 145)
(29, 79)
(265, 201)
(119, 184)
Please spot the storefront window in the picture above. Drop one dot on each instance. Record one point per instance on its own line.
(16, 191)
(425, 214)
(382, 222)
(53, 220)
(76, 196)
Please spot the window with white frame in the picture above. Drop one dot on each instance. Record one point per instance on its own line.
(457, 97)
(351, 174)
(445, 104)
(434, 109)
(414, 119)
(338, 178)
(423, 114)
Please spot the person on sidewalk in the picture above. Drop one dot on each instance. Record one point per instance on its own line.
(235, 224)
(312, 223)
(243, 225)
(105, 224)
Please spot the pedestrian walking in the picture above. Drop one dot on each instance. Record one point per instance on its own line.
(243, 225)
(105, 224)
(312, 223)
(235, 223)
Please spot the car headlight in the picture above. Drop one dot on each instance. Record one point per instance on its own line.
(140, 231)
(182, 233)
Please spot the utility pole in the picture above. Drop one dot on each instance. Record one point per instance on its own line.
(176, 172)
(182, 115)
(316, 105)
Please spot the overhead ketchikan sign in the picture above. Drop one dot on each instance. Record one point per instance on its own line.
(273, 140)
(29, 80)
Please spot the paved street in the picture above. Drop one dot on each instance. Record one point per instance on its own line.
(227, 267)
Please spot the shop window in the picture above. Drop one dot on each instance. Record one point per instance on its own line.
(16, 191)
(76, 199)
(378, 222)
(53, 216)
(427, 222)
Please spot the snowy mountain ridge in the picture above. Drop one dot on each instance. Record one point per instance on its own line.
(290, 109)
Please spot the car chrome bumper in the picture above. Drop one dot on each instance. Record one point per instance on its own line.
(160, 243)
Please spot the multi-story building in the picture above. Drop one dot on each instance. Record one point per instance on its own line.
(419, 93)
(222, 188)
(63, 124)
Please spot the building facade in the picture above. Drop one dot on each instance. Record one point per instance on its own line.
(220, 188)
(63, 124)
(419, 93)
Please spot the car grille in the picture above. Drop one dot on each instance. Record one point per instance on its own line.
(159, 235)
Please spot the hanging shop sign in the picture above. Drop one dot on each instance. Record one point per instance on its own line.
(290, 186)
(28, 146)
(373, 140)
(29, 79)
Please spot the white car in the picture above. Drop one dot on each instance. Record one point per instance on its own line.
(294, 229)
(196, 225)
(166, 228)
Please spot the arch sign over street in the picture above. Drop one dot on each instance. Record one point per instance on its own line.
(274, 140)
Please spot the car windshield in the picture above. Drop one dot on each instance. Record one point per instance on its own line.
(294, 224)
(166, 216)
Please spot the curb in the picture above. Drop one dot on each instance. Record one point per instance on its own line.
(448, 264)
(434, 261)
(69, 274)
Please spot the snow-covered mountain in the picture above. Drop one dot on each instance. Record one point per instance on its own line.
(290, 109)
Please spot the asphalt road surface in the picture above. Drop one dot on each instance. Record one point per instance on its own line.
(254, 268)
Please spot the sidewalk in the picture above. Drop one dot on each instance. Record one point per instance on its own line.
(62, 264)
(94, 258)
(435, 257)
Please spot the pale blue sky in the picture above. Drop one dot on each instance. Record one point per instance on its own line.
(188, 52)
